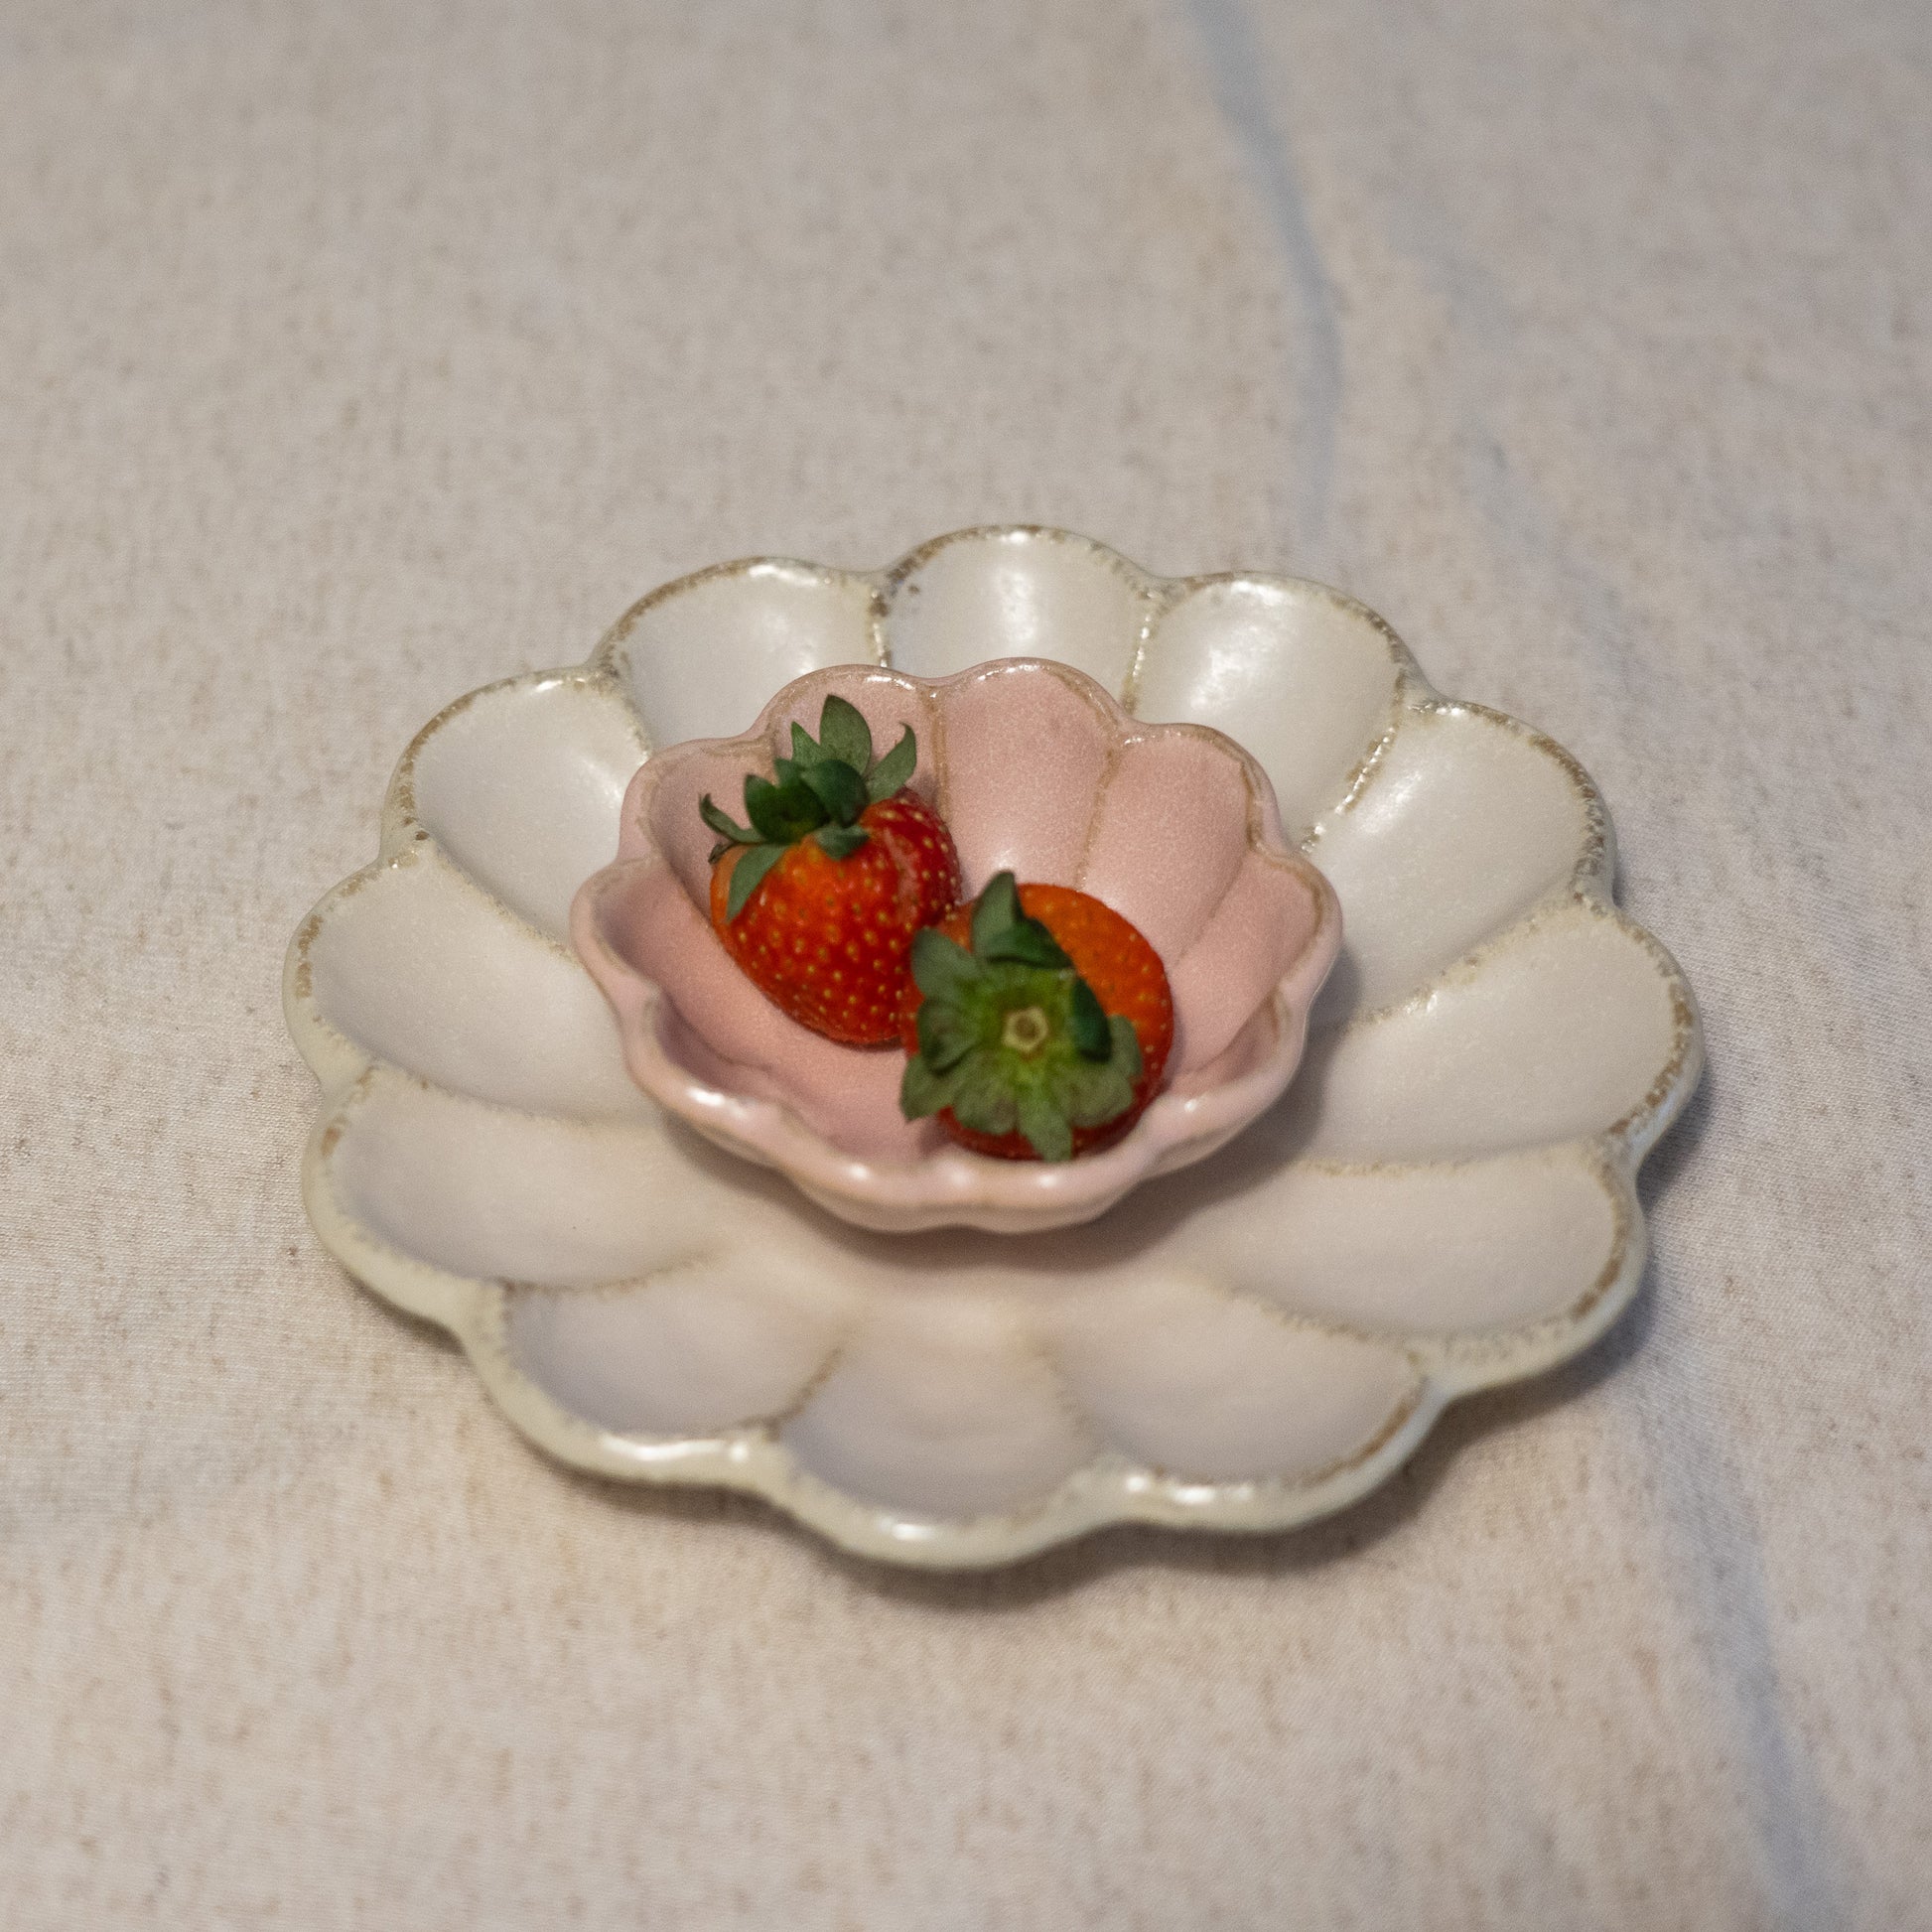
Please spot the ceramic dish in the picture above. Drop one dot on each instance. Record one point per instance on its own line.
(1443, 1199)
(1034, 768)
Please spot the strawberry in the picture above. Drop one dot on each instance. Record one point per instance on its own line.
(1044, 1022)
(819, 897)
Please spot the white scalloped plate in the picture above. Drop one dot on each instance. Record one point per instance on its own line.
(1443, 1202)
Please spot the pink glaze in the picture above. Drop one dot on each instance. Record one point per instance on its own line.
(1036, 769)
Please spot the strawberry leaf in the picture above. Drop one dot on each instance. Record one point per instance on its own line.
(922, 1091)
(893, 772)
(996, 911)
(1026, 943)
(946, 1035)
(1091, 1095)
(1127, 1046)
(942, 968)
(1000, 931)
(783, 814)
(844, 733)
(1087, 1023)
(805, 749)
(724, 826)
(1044, 1125)
(982, 1100)
(838, 788)
(841, 841)
(749, 875)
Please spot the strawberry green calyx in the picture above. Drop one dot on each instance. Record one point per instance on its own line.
(1010, 1038)
(818, 792)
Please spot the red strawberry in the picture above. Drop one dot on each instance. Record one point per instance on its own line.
(1044, 1022)
(819, 899)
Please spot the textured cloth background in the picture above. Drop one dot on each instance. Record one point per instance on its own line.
(353, 355)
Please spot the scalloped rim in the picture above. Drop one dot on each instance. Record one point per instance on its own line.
(1109, 1489)
(954, 1189)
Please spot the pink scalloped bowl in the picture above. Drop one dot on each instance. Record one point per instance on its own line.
(1034, 768)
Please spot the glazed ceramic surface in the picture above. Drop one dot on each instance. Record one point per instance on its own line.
(1035, 769)
(1442, 1202)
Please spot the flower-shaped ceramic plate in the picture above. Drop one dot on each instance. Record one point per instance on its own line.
(1036, 770)
(1443, 1201)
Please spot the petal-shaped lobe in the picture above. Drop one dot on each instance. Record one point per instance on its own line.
(701, 656)
(702, 1348)
(520, 786)
(418, 968)
(484, 1192)
(1025, 755)
(1301, 677)
(1467, 821)
(1017, 593)
(1200, 1383)
(1169, 833)
(1559, 1032)
(941, 1405)
(1270, 919)
(1469, 1248)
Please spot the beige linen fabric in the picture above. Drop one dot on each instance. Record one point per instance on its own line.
(353, 355)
